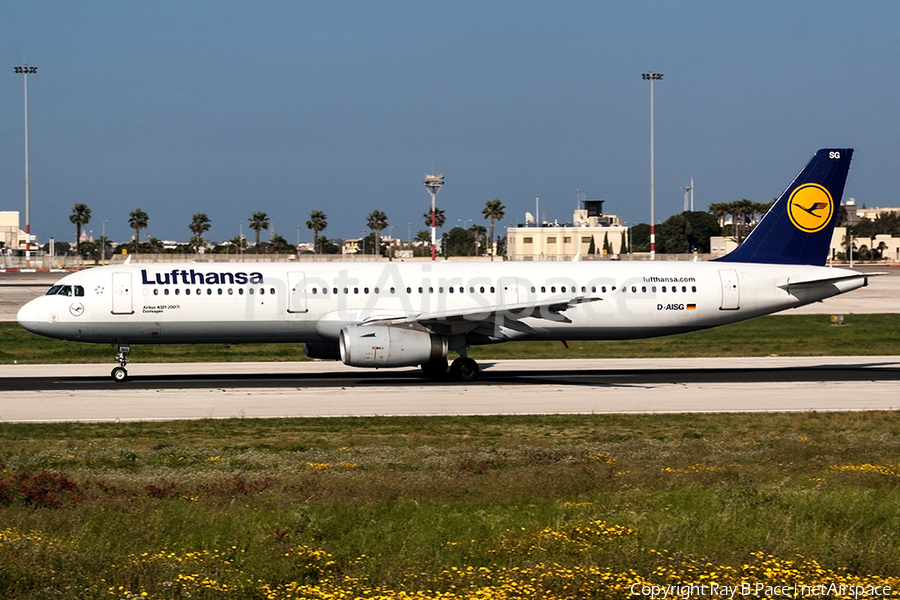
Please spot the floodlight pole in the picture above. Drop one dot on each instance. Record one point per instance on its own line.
(433, 184)
(25, 70)
(651, 77)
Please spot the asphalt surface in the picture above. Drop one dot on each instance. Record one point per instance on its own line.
(317, 389)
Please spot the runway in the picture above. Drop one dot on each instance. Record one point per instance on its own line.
(320, 389)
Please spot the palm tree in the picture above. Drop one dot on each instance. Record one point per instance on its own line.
(317, 222)
(258, 222)
(719, 210)
(439, 218)
(424, 238)
(479, 232)
(376, 221)
(493, 210)
(237, 242)
(80, 216)
(199, 225)
(137, 220)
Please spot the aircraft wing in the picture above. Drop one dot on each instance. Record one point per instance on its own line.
(489, 317)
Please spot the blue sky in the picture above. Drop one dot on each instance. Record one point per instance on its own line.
(229, 107)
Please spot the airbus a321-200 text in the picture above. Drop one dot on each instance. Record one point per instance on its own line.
(401, 314)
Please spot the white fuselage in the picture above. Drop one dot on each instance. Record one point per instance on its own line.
(204, 302)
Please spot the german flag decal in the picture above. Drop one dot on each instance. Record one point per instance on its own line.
(692, 307)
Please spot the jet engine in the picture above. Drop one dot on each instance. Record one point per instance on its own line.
(382, 346)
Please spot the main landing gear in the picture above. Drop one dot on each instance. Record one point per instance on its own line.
(119, 373)
(462, 369)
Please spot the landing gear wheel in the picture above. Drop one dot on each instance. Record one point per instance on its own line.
(119, 374)
(435, 369)
(464, 369)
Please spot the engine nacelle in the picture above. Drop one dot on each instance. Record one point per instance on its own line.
(382, 346)
(322, 350)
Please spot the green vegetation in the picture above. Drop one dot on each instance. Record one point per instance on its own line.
(795, 335)
(448, 507)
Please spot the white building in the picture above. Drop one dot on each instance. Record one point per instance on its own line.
(554, 241)
(10, 234)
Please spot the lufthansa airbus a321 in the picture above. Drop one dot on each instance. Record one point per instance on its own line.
(406, 314)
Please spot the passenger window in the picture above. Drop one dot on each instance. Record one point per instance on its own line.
(220, 291)
(420, 290)
(187, 292)
(272, 291)
(663, 288)
(335, 290)
(250, 291)
(365, 290)
(553, 288)
(409, 290)
(313, 291)
(481, 289)
(693, 288)
(240, 291)
(543, 289)
(393, 290)
(684, 288)
(155, 291)
(440, 290)
(376, 290)
(633, 289)
(451, 289)
(430, 290)
(209, 291)
(177, 291)
(230, 292)
(346, 291)
(492, 289)
(472, 290)
(166, 292)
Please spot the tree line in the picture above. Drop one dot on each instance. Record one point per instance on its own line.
(476, 238)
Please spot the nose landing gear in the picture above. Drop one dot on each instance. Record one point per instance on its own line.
(119, 373)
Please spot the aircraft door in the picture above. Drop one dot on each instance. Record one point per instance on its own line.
(297, 291)
(731, 292)
(121, 294)
(509, 290)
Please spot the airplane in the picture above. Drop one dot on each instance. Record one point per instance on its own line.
(402, 314)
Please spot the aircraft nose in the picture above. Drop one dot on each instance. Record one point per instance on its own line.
(33, 316)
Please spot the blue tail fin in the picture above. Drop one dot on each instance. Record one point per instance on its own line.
(797, 229)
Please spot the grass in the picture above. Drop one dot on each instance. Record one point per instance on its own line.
(447, 507)
(795, 335)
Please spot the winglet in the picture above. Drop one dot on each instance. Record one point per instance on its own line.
(797, 229)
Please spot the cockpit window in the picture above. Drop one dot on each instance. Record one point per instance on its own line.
(65, 290)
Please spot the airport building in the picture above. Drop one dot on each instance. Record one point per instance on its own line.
(11, 237)
(590, 229)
